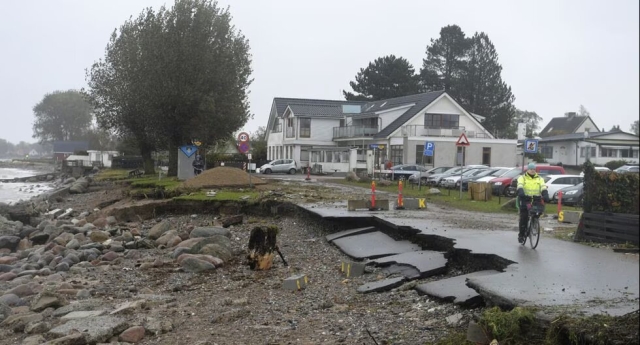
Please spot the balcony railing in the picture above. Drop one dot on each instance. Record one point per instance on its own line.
(422, 131)
(354, 132)
(291, 132)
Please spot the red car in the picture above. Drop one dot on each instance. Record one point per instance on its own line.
(501, 185)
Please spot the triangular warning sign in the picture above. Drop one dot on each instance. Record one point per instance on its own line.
(462, 141)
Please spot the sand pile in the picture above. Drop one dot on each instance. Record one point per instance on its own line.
(222, 177)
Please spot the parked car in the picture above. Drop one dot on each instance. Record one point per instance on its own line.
(436, 178)
(424, 175)
(598, 169)
(484, 176)
(627, 169)
(570, 195)
(280, 166)
(452, 181)
(555, 183)
(500, 185)
(404, 171)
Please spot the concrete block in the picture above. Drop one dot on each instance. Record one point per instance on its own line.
(572, 217)
(414, 204)
(352, 269)
(353, 205)
(295, 283)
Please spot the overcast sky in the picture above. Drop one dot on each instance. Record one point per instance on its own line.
(555, 54)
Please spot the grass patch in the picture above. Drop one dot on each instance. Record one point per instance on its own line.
(222, 195)
(112, 175)
(509, 327)
(458, 338)
(166, 183)
(594, 330)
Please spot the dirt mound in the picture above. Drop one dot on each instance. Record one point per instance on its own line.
(222, 177)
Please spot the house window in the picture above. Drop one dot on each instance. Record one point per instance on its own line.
(547, 151)
(289, 122)
(305, 128)
(421, 158)
(608, 152)
(441, 121)
(277, 128)
(591, 152)
(486, 155)
(629, 153)
(396, 154)
(341, 122)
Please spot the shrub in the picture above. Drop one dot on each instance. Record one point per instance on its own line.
(365, 179)
(613, 165)
(610, 191)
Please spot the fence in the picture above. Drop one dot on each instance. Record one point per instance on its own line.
(127, 162)
(609, 227)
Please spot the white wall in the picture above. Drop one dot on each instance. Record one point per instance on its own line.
(503, 151)
(444, 106)
(587, 124)
(387, 117)
(321, 130)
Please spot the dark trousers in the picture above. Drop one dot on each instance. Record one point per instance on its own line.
(524, 220)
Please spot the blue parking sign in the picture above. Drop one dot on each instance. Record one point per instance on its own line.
(429, 147)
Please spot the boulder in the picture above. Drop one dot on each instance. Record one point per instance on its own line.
(162, 240)
(159, 229)
(47, 299)
(132, 335)
(216, 250)
(194, 265)
(96, 329)
(99, 236)
(5, 311)
(209, 231)
(9, 242)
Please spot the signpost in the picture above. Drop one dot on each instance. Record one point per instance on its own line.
(375, 157)
(429, 148)
(463, 142)
(244, 147)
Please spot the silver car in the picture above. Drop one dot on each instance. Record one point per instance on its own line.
(280, 166)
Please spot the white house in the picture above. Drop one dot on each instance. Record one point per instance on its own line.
(349, 135)
(102, 158)
(572, 139)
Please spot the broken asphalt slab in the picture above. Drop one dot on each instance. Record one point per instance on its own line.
(373, 245)
(455, 289)
(428, 263)
(381, 285)
(350, 232)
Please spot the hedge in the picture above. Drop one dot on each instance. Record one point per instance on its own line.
(610, 191)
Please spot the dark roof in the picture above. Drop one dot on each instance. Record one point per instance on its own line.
(70, 146)
(563, 125)
(421, 101)
(282, 103)
(580, 136)
(316, 110)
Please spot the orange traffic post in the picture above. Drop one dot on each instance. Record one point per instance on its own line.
(559, 202)
(400, 201)
(308, 173)
(373, 196)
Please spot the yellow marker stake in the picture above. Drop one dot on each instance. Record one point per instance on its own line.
(298, 283)
(306, 281)
(348, 270)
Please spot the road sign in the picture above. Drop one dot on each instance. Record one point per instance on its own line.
(462, 140)
(531, 146)
(248, 156)
(377, 146)
(188, 150)
(244, 147)
(429, 147)
(243, 137)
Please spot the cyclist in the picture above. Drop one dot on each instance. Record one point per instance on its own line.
(530, 184)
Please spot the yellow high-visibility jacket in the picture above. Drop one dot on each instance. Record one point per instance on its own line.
(532, 186)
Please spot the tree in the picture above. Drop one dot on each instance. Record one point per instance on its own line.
(582, 111)
(386, 77)
(482, 90)
(531, 118)
(446, 61)
(615, 128)
(6, 148)
(259, 144)
(173, 76)
(61, 115)
(634, 128)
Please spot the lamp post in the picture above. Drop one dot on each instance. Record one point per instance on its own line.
(588, 147)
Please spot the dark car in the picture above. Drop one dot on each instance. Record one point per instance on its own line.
(570, 195)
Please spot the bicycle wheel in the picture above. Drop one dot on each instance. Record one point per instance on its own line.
(534, 232)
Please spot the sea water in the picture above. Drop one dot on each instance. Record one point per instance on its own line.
(14, 192)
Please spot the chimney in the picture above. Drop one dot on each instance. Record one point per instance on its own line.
(570, 114)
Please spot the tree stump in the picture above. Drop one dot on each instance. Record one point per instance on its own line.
(262, 247)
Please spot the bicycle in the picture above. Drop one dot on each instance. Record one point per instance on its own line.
(536, 209)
